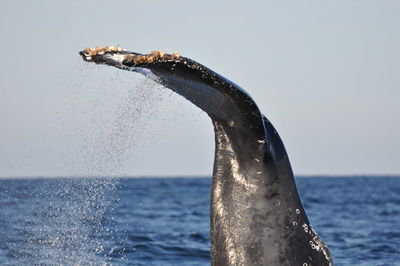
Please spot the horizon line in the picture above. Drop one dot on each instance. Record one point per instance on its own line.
(193, 176)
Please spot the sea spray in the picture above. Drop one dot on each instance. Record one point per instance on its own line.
(70, 227)
(110, 119)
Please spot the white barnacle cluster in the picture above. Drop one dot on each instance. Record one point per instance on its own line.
(305, 227)
(155, 56)
(102, 49)
(317, 244)
(88, 53)
(314, 245)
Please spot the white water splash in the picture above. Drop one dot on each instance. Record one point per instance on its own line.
(109, 119)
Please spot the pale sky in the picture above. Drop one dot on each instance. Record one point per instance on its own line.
(326, 73)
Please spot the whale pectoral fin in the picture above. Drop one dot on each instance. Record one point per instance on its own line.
(224, 101)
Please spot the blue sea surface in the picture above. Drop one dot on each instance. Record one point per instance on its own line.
(165, 221)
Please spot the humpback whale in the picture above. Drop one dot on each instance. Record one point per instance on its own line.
(256, 214)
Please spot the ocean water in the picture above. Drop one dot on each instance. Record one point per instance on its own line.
(165, 221)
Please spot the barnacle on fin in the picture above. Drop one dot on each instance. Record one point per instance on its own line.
(102, 49)
(154, 56)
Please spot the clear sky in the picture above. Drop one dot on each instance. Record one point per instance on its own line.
(326, 73)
